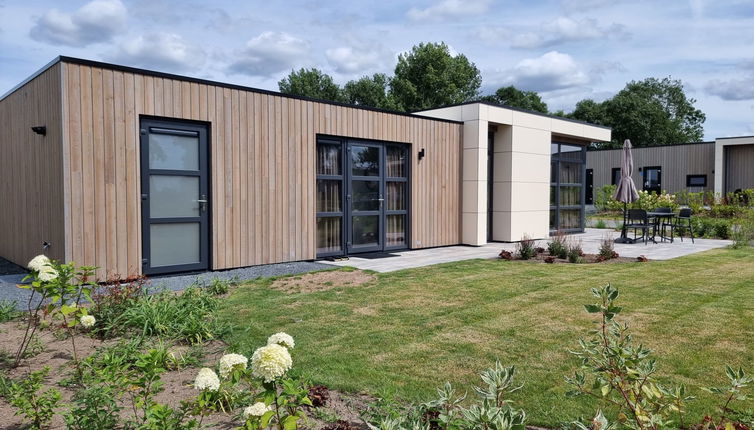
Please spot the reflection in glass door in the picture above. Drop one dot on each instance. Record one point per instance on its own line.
(174, 187)
(362, 196)
(365, 197)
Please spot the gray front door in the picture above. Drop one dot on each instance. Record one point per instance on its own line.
(174, 196)
(365, 197)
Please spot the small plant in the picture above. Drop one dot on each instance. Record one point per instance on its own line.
(738, 380)
(8, 310)
(549, 259)
(505, 255)
(340, 425)
(744, 233)
(525, 248)
(94, 408)
(218, 287)
(319, 395)
(600, 224)
(558, 246)
(61, 287)
(36, 406)
(113, 299)
(607, 249)
(642, 259)
(539, 250)
(492, 409)
(575, 253)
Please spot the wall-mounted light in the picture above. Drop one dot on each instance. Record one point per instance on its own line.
(40, 129)
(421, 153)
(46, 245)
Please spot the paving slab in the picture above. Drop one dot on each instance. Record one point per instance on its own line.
(590, 240)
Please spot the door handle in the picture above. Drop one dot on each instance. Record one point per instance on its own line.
(202, 203)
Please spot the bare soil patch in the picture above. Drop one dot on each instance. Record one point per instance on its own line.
(322, 281)
(54, 351)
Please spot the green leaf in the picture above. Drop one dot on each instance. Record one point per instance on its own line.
(265, 420)
(289, 423)
(605, 389)
(593, 309)
(67, 309)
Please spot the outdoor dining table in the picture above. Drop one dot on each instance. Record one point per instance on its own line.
(657, 218)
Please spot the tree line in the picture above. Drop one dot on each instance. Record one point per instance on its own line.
(649, 112)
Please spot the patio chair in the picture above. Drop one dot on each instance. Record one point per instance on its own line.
(663, 223)
(637, 220)
(683, 221)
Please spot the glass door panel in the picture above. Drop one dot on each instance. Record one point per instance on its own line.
(174, 195)
(365, 230)
(366, 197)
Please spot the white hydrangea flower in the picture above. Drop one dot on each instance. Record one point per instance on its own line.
(256, 410)
(228, 362)
(281, 338)
(88, 321)
(47, 274)
(39, 262)
(207, 379)
(271, 362)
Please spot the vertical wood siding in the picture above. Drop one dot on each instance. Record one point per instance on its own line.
(262, 150)
(739, 170)
(676, 162)
(31, 170)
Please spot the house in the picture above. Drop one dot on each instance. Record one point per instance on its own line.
(721, 166)
(142, 172)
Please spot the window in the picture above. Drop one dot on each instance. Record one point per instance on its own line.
(652, 178)
(329, 197)
(696, 180)
(616, 175)
(567, 167)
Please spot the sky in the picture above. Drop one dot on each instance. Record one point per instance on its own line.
(567, 50)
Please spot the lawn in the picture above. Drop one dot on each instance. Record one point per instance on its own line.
(404, 334)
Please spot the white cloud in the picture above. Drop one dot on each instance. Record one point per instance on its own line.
(736, 88)
(549, 72)
(358, 59)
(270, 53)
(162, 51)
(95, 22)
(448, 9)
(566, 29)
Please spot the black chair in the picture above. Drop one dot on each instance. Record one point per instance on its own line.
(684, 217)
(662, 223)
(637, 220)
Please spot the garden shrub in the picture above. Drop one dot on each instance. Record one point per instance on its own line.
(505, 255)
(604, 200)
(111, 300)
(607, 249)
(575, 253)
(743, 234)
(600, 224)
(8, 310)
(36, 406)
(187, 317)
(726, 211)
(525, 248)
(94, 408)
(557, 247)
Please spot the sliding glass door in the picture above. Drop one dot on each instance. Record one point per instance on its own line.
(362, 196)
(567, 190)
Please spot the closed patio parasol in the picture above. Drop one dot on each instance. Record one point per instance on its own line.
(626, 191)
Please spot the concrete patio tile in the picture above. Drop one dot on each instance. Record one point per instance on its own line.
(590, 242)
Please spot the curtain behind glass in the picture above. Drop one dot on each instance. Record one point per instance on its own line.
(328, 159)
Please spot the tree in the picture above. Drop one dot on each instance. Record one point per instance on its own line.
(311, 83)
(429, 76)
(513, 97)
(370, 91)
(649, 112)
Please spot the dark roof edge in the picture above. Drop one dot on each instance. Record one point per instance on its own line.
(517, 109)
(654, 146)
(734, 137)
(147, 72)
(31, 77)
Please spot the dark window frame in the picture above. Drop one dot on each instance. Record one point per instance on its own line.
(556, 159)
(689, 178)
(613, 171)
(644, 176)
(346, 177)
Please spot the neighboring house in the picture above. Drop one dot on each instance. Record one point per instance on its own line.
(142, 172)
(722, 166)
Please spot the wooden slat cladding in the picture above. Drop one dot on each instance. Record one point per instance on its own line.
(31, 170)
(739, 168)
(676, 162)
(262, 150)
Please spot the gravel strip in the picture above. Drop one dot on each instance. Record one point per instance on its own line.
(9, 291)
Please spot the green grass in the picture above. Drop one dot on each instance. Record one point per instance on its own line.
(410, 331)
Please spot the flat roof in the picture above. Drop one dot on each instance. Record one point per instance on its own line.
(517, 109)
(147, 72)
(654, 146)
